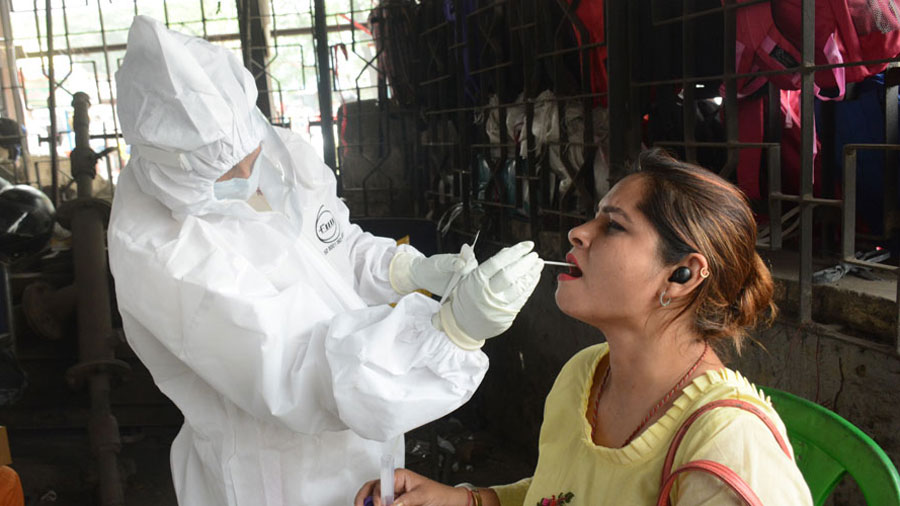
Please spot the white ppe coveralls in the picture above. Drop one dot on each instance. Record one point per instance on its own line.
(271, 331)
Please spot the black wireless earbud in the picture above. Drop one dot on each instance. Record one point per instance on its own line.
(681, 275)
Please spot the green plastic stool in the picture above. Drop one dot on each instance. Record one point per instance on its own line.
(827, 447)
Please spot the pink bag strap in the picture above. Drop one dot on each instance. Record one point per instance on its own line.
(723, 472)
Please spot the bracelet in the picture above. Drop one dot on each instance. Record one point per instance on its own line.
(474, 495)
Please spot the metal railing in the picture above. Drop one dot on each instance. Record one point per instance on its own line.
(485, 61)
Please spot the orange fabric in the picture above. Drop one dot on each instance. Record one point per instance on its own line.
(10, 488)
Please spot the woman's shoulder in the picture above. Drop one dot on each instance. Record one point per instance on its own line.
(577, 372)
(585, 360)
(724, 384)
(592, 353)
(739, 439)
(748, 419)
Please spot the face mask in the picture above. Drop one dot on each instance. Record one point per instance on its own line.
(238, 188)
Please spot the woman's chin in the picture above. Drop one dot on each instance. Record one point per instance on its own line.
(563, 302)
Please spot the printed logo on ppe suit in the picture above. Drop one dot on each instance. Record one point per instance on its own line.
(328, 230)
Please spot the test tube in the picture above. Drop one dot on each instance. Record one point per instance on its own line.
(387, 479)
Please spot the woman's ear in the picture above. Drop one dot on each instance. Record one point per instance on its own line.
(687, 275)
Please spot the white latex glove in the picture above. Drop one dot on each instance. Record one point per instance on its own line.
(487, 300)
(411, 271)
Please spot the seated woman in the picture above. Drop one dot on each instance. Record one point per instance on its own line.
(668, 271)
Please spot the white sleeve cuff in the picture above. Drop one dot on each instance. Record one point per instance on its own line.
(445, 321)
(400, 271)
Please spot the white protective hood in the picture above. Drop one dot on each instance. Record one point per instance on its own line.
(270, 331)
(193, 100)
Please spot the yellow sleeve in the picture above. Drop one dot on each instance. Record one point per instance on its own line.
(514, 493)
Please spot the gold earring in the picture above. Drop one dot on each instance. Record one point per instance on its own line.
(704, 273)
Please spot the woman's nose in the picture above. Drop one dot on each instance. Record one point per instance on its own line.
(580, 236)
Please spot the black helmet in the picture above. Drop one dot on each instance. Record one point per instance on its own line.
(26, 220)
(11, 133)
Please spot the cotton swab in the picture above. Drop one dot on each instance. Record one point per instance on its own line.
(559, 264)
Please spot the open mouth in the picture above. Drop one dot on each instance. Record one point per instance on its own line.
(575, 271)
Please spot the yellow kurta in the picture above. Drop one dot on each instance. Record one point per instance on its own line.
(574, 471)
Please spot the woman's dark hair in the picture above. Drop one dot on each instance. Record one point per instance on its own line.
(695, 210)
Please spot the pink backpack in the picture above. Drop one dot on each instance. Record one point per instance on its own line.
(768, 35)
(846, 30)
(762, 44)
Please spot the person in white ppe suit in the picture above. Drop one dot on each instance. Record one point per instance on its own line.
(272, 331)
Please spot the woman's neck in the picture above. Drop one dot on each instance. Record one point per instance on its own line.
(643, 368)
(648, 360)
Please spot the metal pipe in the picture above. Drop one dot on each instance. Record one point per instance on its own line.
(848, 228)
(773, 159)
(112, 94)
(96, 339)
(729, 64)
(51, 105)
(890, 214)
(324, 63)
(619, 81)
(81, 123)
(707, 12)
(763, 73)
(9, 340)
(807, 130)
(14, 79)
(688, 116)
(724, 144)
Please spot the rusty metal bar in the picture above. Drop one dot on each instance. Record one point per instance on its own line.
(577, 49)
(475, 108)
(490, 6)
(729, 64)
(97, 365)
(890, 211)
(773, 154)
(216, 37)
(763, 73)
(564, 214)
(812, 201)
(324, 63)
(620, 77)
(807, 145)
(871, 265)
(870, 146)
(706, 12)
(848, 229)
(254, 50)
(112, 93)
(51, 105)
(436, 80)
(848, 214)
(499, 66)
(12, 68)
(689, 93)
(723, 144)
